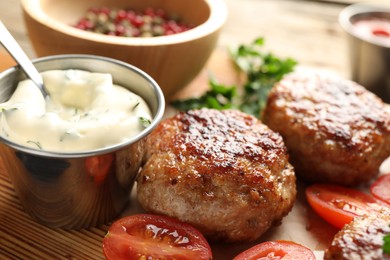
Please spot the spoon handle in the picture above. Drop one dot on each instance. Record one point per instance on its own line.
(20, 57)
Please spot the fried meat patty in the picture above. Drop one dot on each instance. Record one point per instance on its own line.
(361, 239)
(224, 172)
(335, 130)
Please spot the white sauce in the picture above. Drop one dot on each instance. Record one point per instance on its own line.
(85, 111)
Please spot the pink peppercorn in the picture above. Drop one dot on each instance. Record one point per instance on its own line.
(131, 23)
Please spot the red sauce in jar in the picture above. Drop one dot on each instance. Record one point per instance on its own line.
(374, 28)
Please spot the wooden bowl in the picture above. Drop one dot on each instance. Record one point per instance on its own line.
(173, 60)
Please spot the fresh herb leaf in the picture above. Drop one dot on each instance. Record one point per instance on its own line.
(38, 144)
(262, 71)
(144, 121)
(386, 245)
(218, 97)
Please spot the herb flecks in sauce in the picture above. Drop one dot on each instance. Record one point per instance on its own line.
(36, 143)
(84, 111)
(135, 106)
(144, 121)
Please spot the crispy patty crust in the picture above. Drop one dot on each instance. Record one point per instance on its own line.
(361, 239)
(224, 172)
(335, 130)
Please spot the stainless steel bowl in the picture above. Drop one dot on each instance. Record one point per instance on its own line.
(369, 57)
(60, 189)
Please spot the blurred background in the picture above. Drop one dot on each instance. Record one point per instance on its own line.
(305, 30)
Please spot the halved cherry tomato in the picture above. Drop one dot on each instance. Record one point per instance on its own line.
(339, 205)
(273, 250)
(146, 236)
(380, 189)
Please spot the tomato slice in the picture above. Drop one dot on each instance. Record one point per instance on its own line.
(380, 189)
(146, 236)
(339, 205)
(280, 249)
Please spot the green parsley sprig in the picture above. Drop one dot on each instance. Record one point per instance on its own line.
(218, 97)
(262, 71)
(386, 244)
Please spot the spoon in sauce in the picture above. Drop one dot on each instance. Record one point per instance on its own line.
(21, 58)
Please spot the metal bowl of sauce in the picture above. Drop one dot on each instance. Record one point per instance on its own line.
(368, 29)
(89, 182)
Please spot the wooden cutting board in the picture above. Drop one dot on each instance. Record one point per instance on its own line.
(23, 238)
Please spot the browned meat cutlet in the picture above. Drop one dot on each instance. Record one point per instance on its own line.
(361, 239)
(335, 130)
(224, 172)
